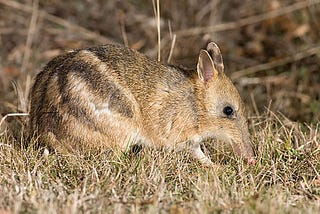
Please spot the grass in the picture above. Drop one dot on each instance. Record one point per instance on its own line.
(284, 180)
(271, 53)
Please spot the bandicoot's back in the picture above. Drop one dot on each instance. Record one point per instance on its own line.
(111, 96)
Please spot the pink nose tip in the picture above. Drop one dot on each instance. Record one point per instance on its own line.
(251, 161)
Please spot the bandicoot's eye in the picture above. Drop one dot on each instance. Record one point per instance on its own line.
(228, 110)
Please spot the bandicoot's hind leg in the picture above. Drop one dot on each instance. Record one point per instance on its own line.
(49, 142)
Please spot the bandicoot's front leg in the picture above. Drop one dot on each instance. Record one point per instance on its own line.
(199, 155)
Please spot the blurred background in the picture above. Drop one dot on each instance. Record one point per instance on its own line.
(271, 49)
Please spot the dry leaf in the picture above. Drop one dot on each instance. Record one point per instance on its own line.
(301, 30)
(12, 72)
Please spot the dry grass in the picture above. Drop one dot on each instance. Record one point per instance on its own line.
(273, 49)
(284, 180)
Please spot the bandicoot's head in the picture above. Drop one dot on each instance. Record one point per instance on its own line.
(224, 107)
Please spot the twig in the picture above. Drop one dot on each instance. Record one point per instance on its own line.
(247, 21)
(123, 28)
(85, 32)
(159, 31)
(156, 10)
(275, 80)
(173, 42)
(27, 52)
(172, 47)
(31, 32)
(261, 67)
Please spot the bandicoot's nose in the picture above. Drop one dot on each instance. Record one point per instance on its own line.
(251, 161)
(247, 153)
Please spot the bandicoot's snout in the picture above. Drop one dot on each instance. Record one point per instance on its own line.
(240, 143)
(243, 148)
(249, 154)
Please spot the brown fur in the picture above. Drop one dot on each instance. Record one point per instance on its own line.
(110, 96)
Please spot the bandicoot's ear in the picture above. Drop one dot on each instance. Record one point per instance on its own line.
(206, 69)
(216, 56)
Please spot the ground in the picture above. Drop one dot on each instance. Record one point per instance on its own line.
(271, 52)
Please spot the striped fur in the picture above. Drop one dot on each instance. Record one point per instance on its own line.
(108, 96)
